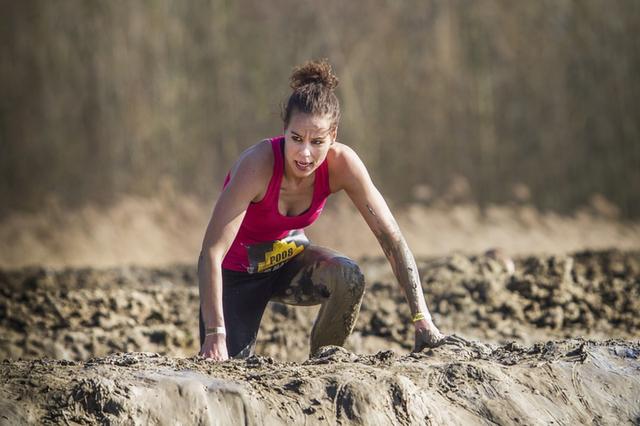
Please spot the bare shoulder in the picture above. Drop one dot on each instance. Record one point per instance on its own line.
(341, 155)
(345, 167)
(257, 159)
(254, 168)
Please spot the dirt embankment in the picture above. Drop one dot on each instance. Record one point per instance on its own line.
(79, 314)
(568, 382)
(522, 363)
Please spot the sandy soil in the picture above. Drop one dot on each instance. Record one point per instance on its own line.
(169, 229)
(524, 362)
(567, 382)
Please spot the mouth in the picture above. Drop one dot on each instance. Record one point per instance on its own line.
(304, 166)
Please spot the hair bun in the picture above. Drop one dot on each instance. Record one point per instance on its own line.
(314, 72)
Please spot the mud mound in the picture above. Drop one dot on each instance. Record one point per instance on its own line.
(594, 294)
(562, 382)
(77, 314)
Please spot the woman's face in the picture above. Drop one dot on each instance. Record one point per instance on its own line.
(307, 142)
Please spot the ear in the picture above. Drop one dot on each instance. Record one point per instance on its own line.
(334, 133)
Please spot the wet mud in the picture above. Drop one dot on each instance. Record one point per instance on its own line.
(554, 339)
(557, 382)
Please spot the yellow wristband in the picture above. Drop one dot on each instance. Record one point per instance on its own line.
(417, 317)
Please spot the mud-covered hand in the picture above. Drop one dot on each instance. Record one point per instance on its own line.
(215, 348)
(427, 336)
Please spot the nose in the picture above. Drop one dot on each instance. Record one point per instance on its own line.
(305, 150)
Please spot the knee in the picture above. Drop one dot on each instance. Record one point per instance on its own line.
(348, 276)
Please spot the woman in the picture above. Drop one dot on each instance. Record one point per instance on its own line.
(255, 250)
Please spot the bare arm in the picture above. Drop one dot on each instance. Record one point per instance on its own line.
(355, 180)
(398, 253)
(247, 183)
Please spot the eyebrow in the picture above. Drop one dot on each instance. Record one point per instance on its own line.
(320, 136)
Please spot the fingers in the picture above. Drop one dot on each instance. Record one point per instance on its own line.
(212, 356)
(456, 340)
(452, 339)
(441, 340)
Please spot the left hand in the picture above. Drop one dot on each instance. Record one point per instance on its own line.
(427, 336)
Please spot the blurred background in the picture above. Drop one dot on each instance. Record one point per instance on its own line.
(483, 123)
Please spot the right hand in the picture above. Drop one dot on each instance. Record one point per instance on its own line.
(215, 348)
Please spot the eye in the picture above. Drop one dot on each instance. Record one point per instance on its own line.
(296, 138)
(318, 141)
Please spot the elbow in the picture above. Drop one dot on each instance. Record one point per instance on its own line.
(209, 256)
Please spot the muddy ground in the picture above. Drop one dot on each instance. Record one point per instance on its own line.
(569, 382)
(525, 362)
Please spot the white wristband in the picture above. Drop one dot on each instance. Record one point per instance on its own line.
(215, 330)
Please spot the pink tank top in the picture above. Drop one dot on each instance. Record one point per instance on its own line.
(266, 239)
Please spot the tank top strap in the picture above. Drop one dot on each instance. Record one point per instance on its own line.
(278, 167)
(324, 189)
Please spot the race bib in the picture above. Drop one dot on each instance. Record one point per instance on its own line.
(269, 256)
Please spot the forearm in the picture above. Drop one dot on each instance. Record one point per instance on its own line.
(210, 287)
(404, 268)
(376, 213)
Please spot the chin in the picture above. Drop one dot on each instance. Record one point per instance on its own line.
(303, 172)
(300, 173)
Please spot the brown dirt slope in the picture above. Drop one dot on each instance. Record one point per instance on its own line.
(77, 314)
(522, 363)
(561, 382)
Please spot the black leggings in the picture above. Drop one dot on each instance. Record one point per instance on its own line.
(316, 276)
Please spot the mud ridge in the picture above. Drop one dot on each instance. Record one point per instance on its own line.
(77, 314)
(116, 346)
(571, 381)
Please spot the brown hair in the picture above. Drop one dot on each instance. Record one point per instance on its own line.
(313, 84)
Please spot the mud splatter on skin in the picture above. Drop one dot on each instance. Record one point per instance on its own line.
(402, 262)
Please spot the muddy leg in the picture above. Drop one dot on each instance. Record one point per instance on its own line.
(328, 278)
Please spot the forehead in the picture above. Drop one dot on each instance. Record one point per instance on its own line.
(309, 123)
